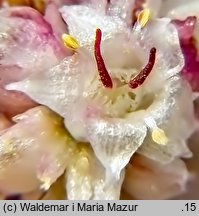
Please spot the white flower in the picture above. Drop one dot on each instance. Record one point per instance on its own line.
(178, 9)
(96, 93)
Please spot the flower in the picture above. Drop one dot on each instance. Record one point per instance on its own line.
(184, 15)
(27, 45)
(151, 180)
(36, 148)
(121, 91)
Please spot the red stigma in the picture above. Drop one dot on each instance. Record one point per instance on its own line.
(141, 77)
(104, 75)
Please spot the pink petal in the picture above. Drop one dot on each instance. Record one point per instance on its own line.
(28, 40)
(146, 179)
(27, 46)
(14, 102)
(186, 34)
(186, 27)
(58, 25)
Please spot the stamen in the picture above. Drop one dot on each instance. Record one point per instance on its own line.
(104, 75)
(143, 17)
(158, 135)
(70, 42)
(141, 77)
(138, 7)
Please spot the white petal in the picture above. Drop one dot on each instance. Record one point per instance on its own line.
(100, 6)
(180, 9)
(84, 20)
(59, 88)
(162, 35)
(173, 112)
(114, 142)
(86, 178)
(122, 9)
(154, 6)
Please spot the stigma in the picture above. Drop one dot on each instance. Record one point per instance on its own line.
(144, 73)
(103, 73)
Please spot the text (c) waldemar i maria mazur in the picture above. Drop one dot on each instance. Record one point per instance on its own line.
(107, 207)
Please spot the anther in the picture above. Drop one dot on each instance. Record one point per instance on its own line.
(143, 17)
(70, 42)
(158, 135)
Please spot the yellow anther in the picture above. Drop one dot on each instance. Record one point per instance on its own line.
(159, 136)
(143, 17)
(70, 42)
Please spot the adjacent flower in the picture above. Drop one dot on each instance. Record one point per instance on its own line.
(184, 15)
(121, 92)
(151, 180)
(27, 46)
(37, 149)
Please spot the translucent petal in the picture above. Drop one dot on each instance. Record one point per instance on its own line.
(84, 20)
(169, 58)
(27, 45)
(154, 6)
(173, 113)
(114, 142)
(36, 148)
(122, 9)
(179, 9)
(27, 40)
(63, 88)
(86, 178)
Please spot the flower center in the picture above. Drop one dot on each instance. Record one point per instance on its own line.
(115, 91)
(104, 75)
